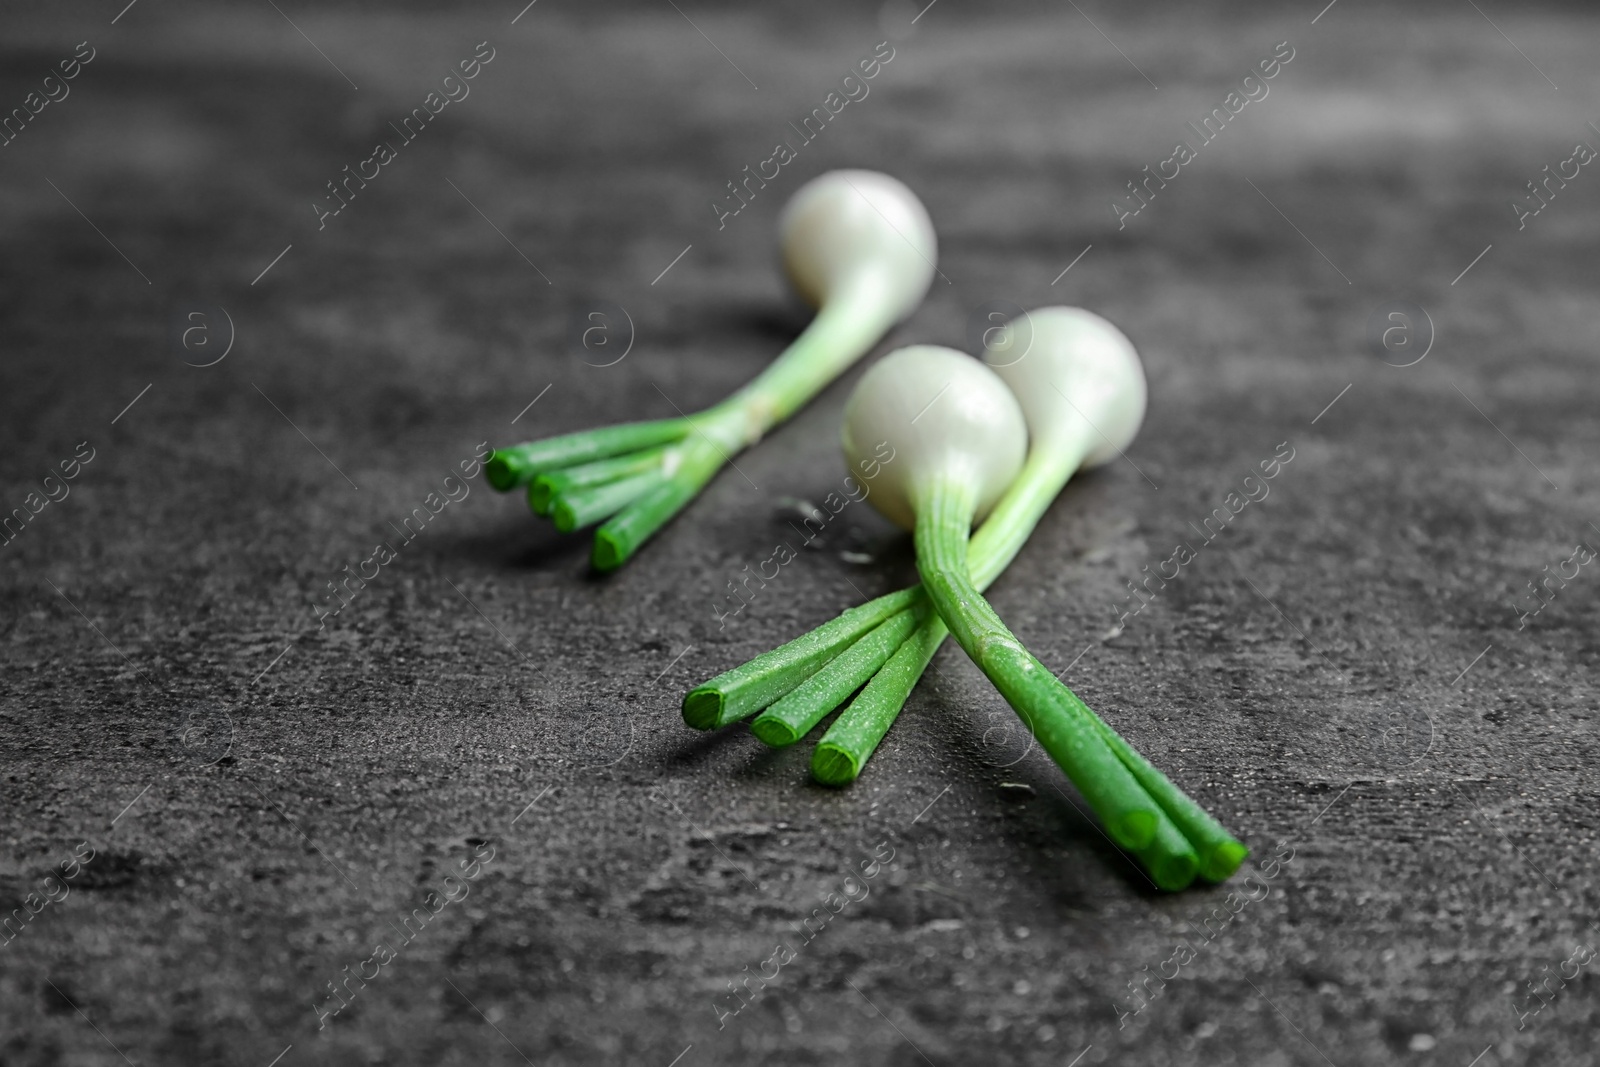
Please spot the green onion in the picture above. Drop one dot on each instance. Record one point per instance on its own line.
(745, 690)
(1075, 354)
(545, 487)
(860, 247)
(792, 718)
(509, 468)
(583, 507)
(1068, 352)
(854, 736)
(1054, 716)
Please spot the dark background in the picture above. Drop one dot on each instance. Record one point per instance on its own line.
(1341, 674)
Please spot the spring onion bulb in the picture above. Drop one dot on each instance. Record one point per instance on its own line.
(859, 246)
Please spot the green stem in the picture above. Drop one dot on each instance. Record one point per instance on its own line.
(841, 332)
(616, 542)
(1220, 852)
(853, 737)
(508, 468)
(582, 507)
(856, 733)
(1050, 466)
(550, 484)
(745, 690)
(792, 718)
(1170, 858)
(838, 336)
(1052, 713)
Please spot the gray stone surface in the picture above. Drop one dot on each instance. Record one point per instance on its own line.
(1340, 674)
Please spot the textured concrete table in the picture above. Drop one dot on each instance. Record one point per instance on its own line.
(1351, 675)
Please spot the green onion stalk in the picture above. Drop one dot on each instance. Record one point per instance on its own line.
(859, 246)
(1081, 390)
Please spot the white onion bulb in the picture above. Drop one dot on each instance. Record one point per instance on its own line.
(945, 415)
(849, 228)
(1078, 379)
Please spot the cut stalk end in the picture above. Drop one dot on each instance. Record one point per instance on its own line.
(702, 708)
(1175, 871)
(541, 495)
(1223, 860)
(623, 533)
(611, 550)
(505, 471)
(774, 732)
(833, 765)
(563, 517)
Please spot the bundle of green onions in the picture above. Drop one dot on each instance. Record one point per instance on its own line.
(859, 246)
(960, 434)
